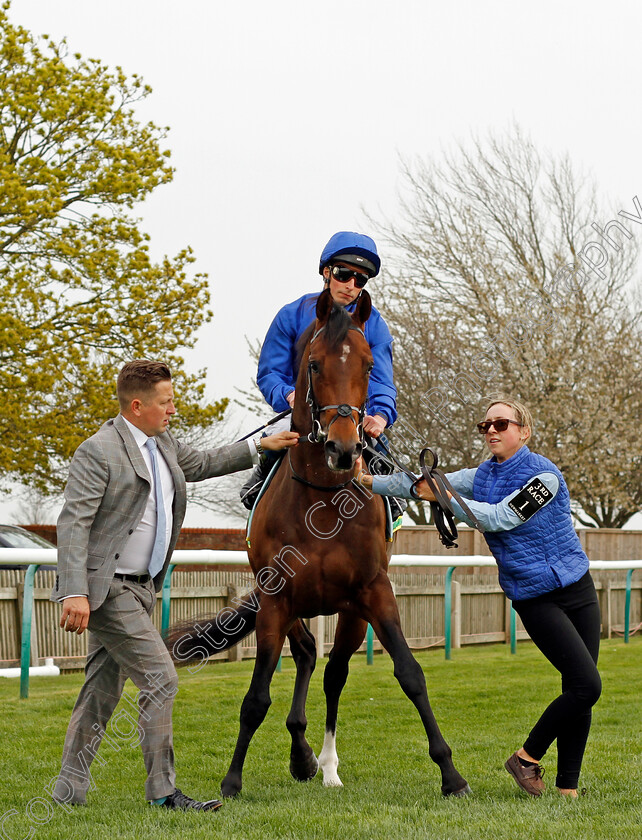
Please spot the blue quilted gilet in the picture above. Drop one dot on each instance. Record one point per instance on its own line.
(543, 553)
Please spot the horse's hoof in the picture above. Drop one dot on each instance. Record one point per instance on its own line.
(461, 792)
(304, 770)
(230, 788)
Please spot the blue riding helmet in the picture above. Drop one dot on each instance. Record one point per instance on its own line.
(359, 248)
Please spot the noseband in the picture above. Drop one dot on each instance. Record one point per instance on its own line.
(318, 433)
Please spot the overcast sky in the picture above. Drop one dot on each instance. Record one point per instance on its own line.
(287, 120)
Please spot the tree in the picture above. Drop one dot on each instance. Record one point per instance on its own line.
(222, 496)
(508, 276)
(252, 399)
(79, 293)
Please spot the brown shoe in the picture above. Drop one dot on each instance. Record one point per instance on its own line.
(528, 778)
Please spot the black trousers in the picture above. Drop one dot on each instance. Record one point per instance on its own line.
(565, 626)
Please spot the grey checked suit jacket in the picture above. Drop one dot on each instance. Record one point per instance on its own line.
(105, 499)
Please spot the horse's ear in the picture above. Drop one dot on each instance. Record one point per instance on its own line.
(324, 306)
(363, 310)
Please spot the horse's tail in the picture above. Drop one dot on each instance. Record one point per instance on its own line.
(198, 639)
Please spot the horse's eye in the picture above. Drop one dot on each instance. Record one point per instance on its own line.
(369, 368)
(314, 367)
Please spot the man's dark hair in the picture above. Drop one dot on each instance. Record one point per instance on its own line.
(139, 378)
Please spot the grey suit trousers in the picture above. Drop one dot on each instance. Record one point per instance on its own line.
(123, 643)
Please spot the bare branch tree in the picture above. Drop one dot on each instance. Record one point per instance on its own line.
(252, 399)
(219, 495)
(509, 276)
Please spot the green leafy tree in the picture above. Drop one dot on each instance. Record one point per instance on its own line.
(79, 293)
(496, 283)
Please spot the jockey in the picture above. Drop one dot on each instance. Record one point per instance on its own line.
(347, 262)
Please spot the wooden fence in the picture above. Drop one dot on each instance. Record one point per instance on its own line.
(610, 544)
(599, 543)
(480, 610)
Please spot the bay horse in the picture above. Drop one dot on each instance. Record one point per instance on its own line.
(317, 547)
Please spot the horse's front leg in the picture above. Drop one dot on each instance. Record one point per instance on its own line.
(271, 629)
(303, 762)
(347, 639)
(380, 609)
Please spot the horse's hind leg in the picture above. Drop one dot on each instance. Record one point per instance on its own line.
(303, 762)
(270, 635)
(349, 635)
(381, 610)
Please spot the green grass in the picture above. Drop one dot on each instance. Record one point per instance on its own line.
(485, 701)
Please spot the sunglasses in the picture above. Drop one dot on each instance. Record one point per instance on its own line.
(343, 275)
(500, 425)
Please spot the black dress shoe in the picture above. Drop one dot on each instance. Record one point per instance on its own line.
(178, 801)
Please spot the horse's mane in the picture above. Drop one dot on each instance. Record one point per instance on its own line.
(336, 329)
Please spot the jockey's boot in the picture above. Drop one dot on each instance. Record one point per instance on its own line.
(378, 464)
(252, 487)
(397, 507)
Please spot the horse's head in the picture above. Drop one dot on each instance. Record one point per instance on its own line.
(338, 363)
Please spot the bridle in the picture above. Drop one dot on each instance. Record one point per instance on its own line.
(442, 510)
(318, 433)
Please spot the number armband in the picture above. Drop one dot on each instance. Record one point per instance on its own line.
(530, 499)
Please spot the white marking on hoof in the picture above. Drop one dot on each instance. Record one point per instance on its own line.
(329, 761)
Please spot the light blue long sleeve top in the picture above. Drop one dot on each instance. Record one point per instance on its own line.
(497, 517)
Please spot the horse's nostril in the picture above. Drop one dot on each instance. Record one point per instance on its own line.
(340, 456)
(333, 449)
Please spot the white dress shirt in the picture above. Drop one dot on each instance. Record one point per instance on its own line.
(135, 556)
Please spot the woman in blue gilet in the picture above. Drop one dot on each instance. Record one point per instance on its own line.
(522, 502)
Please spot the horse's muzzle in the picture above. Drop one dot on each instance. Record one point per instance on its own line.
(340, 456)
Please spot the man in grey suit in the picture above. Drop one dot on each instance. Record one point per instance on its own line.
(124, 505)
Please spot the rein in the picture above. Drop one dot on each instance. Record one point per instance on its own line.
(307, 483)
(442, 510)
